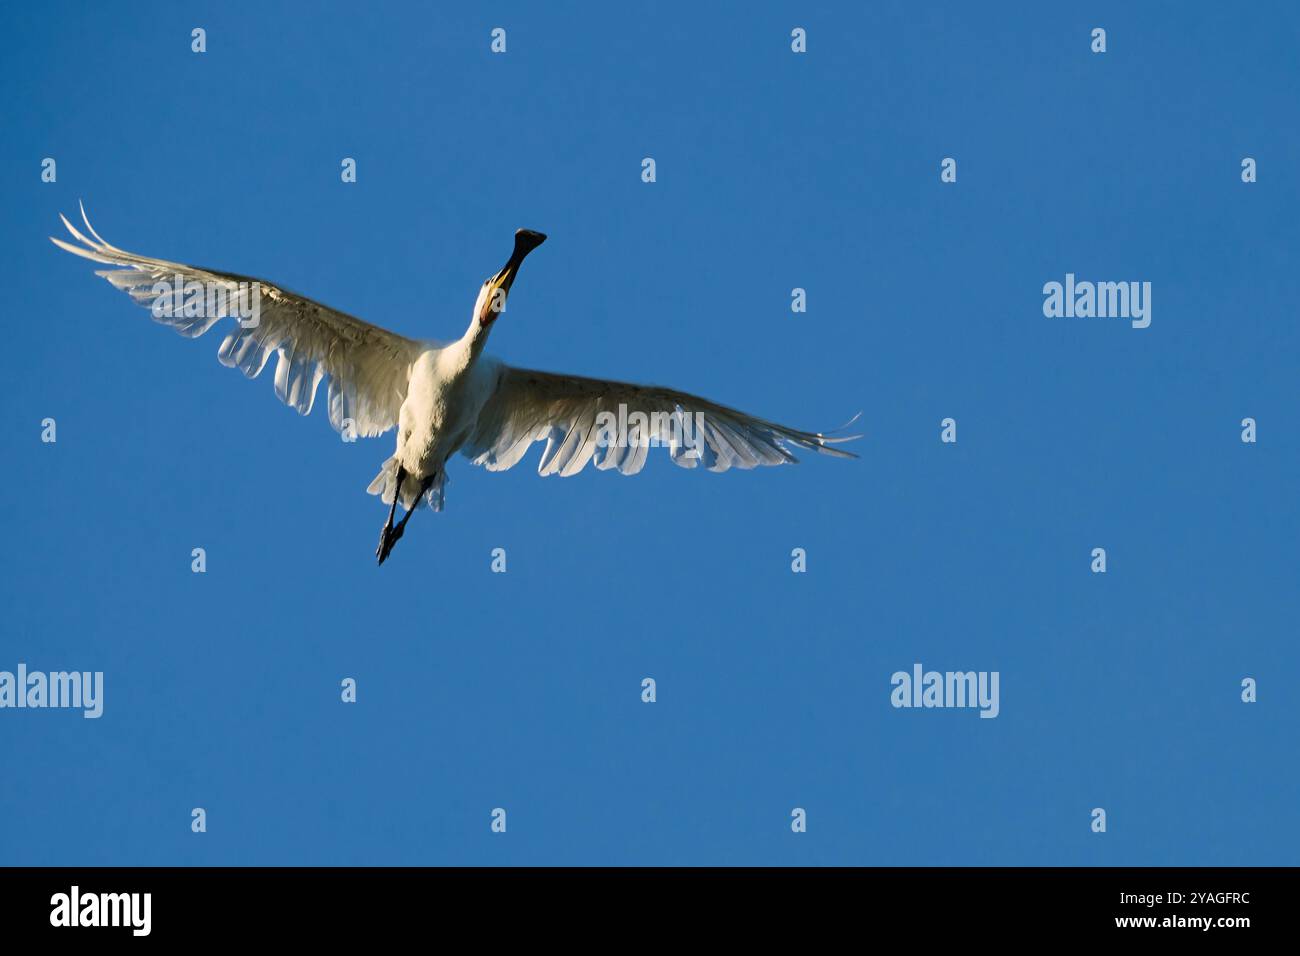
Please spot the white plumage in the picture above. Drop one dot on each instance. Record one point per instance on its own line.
(445, 398)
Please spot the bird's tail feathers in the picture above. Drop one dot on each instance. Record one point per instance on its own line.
(385, 485)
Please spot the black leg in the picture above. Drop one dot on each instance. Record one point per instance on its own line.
(386, 536)
(395, 534)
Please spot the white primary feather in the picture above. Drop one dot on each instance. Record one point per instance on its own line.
(368, 366)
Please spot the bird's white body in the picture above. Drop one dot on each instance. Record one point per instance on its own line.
(444, 398)
(448, 388)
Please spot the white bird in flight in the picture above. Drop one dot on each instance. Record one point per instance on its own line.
(442, 397)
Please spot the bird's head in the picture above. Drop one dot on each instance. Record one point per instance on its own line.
(492, 297)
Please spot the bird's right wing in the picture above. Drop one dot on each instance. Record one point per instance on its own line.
(574, 415)
(368, 367)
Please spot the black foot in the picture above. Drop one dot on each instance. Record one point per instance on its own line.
(387, 538)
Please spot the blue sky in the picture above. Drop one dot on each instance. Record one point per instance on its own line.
(774, 171)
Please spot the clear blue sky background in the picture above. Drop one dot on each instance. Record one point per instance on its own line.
(522, 690)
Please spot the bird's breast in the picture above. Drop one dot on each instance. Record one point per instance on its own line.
(441, 408)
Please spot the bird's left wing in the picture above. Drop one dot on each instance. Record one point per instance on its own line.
(368, 367)
(615, 423)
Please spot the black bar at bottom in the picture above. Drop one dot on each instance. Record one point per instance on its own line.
(346, 904)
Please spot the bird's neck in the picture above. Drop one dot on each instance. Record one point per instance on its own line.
(476, 336)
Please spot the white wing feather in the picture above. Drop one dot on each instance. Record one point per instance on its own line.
(529, 406)
(368, 367)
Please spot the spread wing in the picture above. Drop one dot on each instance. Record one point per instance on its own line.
(368, 367)
(580, 420)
